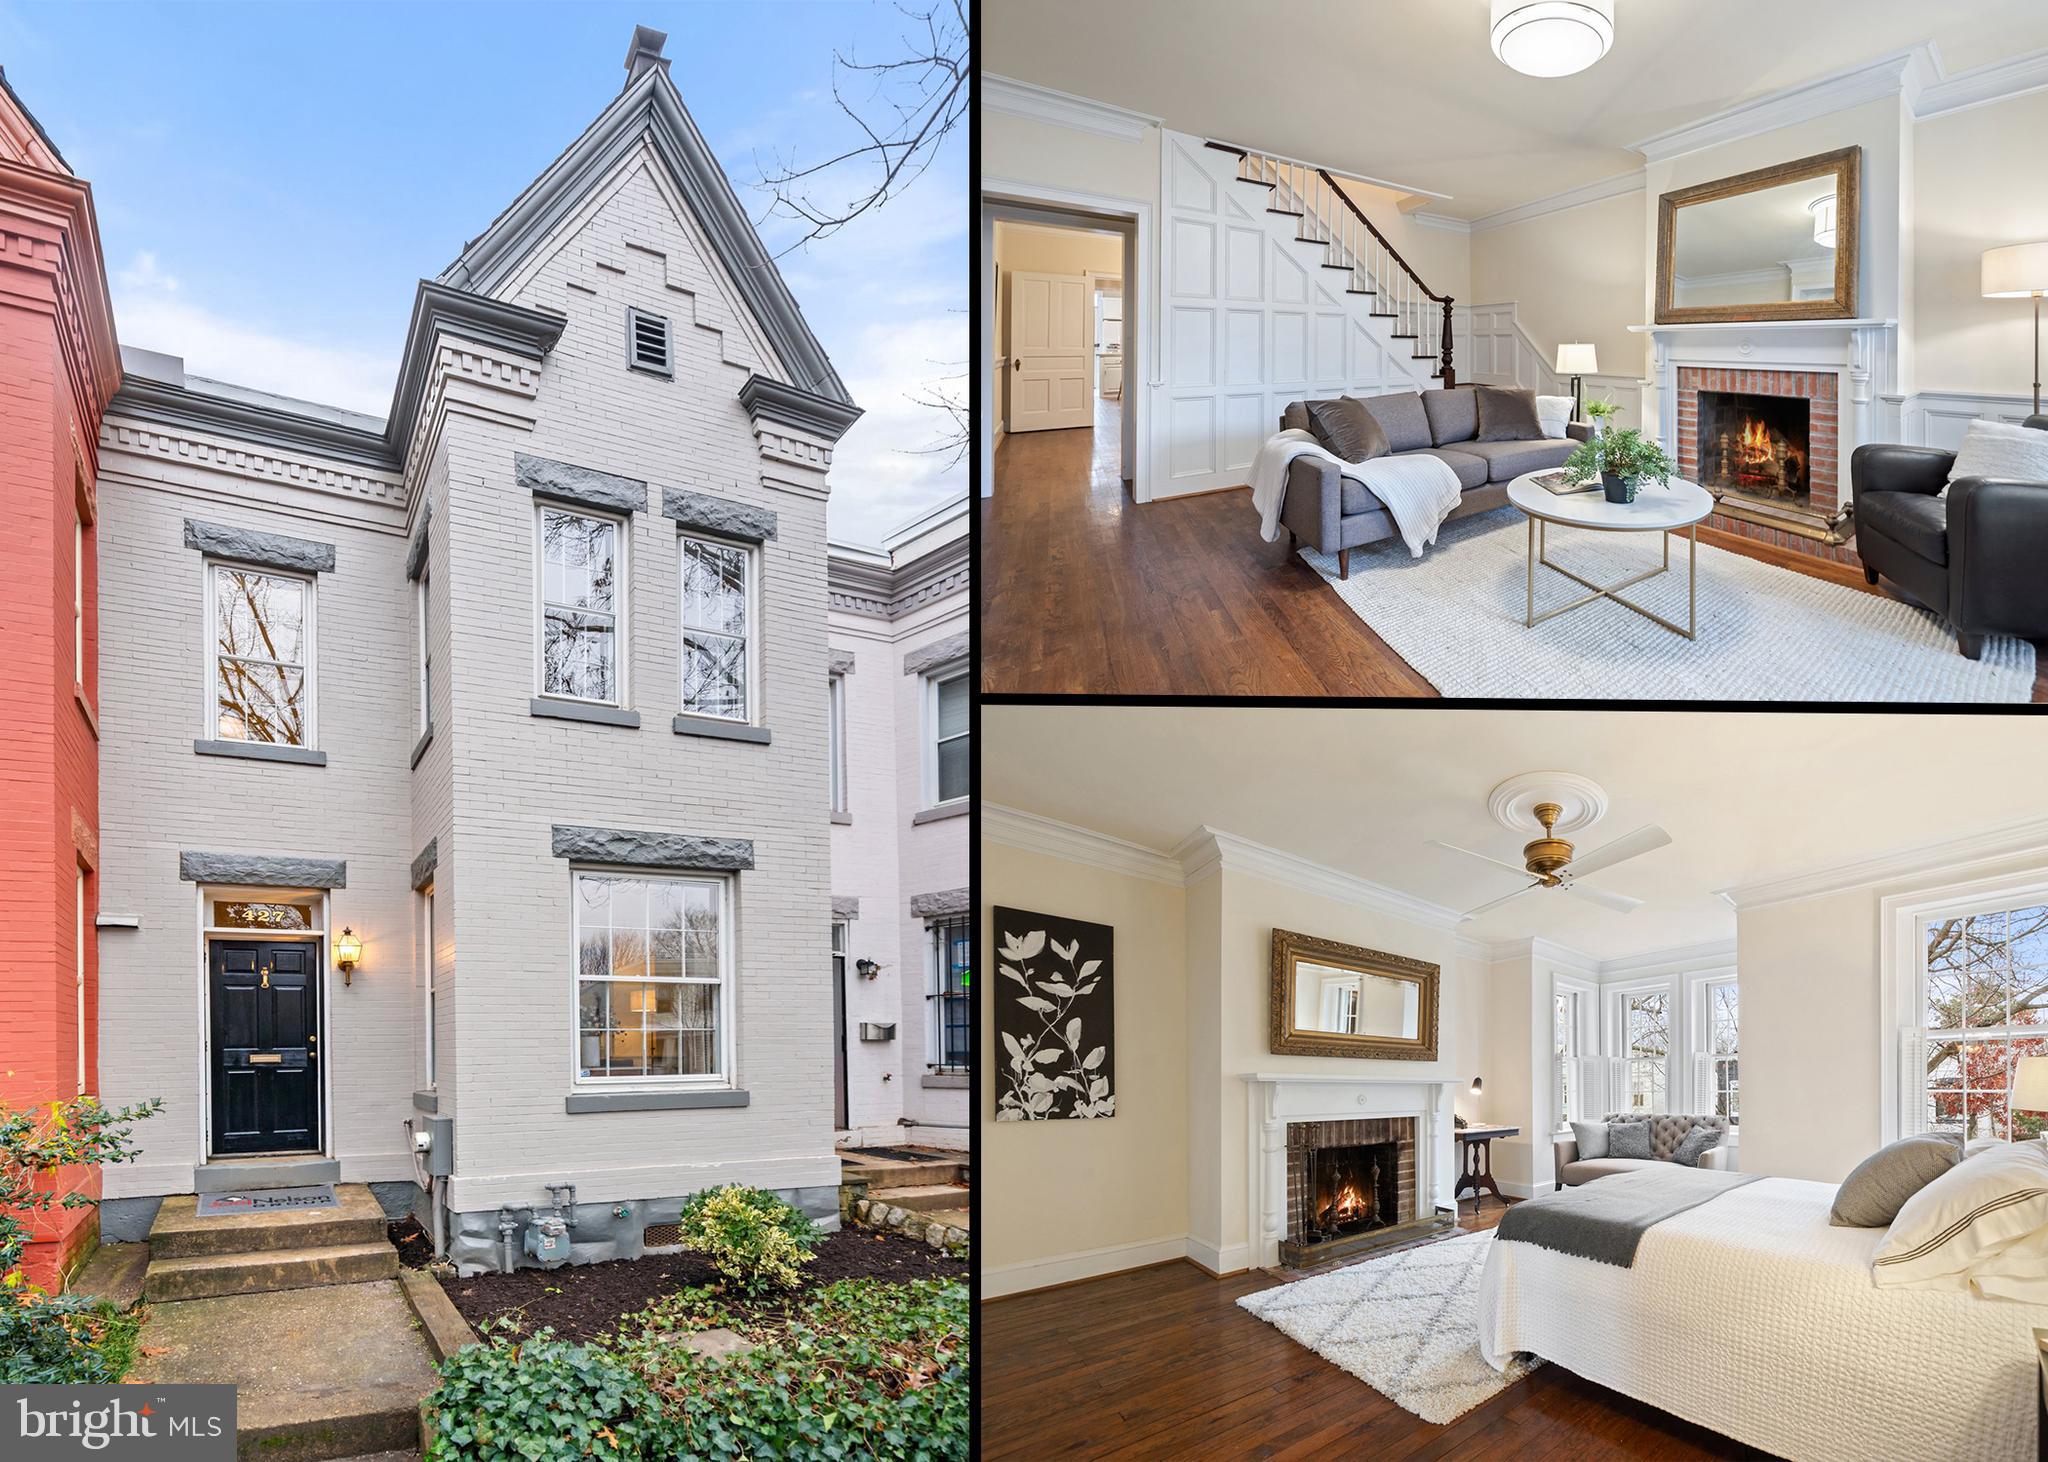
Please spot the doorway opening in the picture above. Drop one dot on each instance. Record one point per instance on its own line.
(265, 988)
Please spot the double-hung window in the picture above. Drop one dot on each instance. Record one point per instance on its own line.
(1645, 1031)
(582, 593)
(426, 656)
(949, 744)
(261, 669)
(1720, 1085)
(1981, 1004)
(946, 994)
(835, 689)
(718, 614)
(427, 1011)
(653, 978)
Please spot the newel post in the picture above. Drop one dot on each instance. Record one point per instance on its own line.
(1450, 373)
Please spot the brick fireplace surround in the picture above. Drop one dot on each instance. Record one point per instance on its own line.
(1821, 389)
(1305, 1137)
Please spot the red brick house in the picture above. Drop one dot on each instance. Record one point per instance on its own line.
(59, 363)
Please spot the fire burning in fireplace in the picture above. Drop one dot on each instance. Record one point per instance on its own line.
(1755, 445)
(1352, 1189)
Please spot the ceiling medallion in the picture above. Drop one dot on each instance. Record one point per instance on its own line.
(1581, 802)
(1552, 37)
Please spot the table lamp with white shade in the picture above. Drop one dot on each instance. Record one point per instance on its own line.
(1577, 360)
(2030, 1084)
(2020, 271)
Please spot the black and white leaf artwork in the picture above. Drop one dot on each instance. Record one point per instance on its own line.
(1055, 1015)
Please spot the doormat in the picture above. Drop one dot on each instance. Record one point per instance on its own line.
(267, 1200)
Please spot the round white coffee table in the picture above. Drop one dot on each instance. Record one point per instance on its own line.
(1660, 510)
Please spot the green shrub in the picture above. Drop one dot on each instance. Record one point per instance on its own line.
(538, 1400)
(63, 1341)
(750, 1236)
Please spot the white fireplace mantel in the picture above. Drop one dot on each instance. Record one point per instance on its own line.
(1278, 1098)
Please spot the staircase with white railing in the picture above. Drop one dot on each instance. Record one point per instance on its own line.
(1324, 214)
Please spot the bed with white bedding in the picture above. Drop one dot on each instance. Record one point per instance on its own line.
(1751, 1315)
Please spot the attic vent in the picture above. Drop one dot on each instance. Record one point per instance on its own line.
(647, 343)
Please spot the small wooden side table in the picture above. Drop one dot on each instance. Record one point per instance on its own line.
(1477, 1179)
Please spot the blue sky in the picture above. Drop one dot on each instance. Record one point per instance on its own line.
(273, 180)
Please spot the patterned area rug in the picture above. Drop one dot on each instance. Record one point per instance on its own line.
(1407, 1325)
(1765, 633)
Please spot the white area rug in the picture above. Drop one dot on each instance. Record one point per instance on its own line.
(1765, 633)
(1407, 1325)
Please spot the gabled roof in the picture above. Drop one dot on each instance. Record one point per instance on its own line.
(651, 108)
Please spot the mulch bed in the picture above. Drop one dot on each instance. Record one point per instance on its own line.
(415, 1247)
(585, 1301)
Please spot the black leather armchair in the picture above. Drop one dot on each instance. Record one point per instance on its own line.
(1978, 558)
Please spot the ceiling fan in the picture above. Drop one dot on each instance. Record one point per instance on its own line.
(1550, 863)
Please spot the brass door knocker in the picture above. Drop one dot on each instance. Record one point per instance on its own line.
(265, 971)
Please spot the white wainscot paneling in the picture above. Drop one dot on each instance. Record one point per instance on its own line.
(1192, 423)
(1193, 251)
(1940, 418)
(1244, 269)
(1193, 362)
(1244, 354)
(1290, 346)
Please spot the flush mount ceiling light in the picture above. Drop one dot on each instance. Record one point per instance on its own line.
(1823, 211)
(1552, 37)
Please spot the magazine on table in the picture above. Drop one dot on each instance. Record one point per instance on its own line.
(1560, 483)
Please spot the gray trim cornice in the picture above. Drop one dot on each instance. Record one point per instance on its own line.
(579, 711)
(263, 870)
(262, 751)
(845, 906)
(652, 850)
(416, 551)
(938, 653)
(271, 550)
(650, 107)
(166, 403)
(583, 485)
(719, 730)
(792, 406)
(840, 663)
(883, 593)
(939, 905)
(723, 516)
(423, 866)
(437, 308)
(651, 1101)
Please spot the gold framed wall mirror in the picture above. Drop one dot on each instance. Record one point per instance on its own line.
(1779, 243)
(1332, 999)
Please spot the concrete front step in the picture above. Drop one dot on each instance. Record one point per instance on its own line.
(179, 1231)
(887, 1173)
(328, 1425)
(924, 1198)
(201, 1276)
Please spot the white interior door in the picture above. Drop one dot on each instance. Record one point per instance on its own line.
(1051, 345)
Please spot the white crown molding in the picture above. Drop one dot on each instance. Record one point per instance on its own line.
(1062, 109)
(1899, 74)
(1208, 848)
(2014, 76)
(2015, 840)
(1034, 834)
(1443, 221)
(1615, 187)
(1679, 957)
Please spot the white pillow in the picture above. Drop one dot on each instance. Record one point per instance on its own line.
(2001, 449)
(1553, 412)
(1970, 1212)
(2016, 1271)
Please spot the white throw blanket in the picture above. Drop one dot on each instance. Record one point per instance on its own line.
(1419, 491)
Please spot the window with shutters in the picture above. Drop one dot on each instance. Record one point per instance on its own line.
(648, 346)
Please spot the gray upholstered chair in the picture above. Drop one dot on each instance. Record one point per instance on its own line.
(1667, 1130)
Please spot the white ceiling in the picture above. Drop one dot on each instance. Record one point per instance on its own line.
(1746, 796)
(1408, 90)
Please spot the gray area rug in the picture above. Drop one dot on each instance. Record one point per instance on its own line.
(1407, 1325)
(1765, 633)
(266, 1200)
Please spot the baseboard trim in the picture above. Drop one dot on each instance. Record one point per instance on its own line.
(1219, 1263)
(1059, 1270)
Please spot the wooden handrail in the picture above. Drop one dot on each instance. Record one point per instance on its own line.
(1359, 214)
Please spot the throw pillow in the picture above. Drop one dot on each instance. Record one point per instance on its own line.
(1555, 413)
(1875, 1190)
(1695, 1144)
(1628, 1139)
(2001, 449)
(1507, 415)
(1592, 1138)
(1404, 419)
(1964, 1216)
(1453, 415)
(1347, 429)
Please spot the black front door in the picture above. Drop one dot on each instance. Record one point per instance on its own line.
(266, 1046)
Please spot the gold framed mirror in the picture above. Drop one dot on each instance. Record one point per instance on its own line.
(1332, 999)
(1779, 243)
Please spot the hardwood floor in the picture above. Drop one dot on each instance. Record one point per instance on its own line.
(1084, 592)
(1161, 1362)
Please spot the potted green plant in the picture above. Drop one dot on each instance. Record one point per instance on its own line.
(1600, 416)
(1622, 460)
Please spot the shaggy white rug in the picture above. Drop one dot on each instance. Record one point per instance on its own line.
(1765, 633)
(1407, 1325)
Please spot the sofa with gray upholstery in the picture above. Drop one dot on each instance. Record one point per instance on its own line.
(1667, 1130)
(1335, 515)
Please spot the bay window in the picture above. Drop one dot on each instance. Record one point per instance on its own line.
(653, 978)
(1718, 1086)
(1644, 1028)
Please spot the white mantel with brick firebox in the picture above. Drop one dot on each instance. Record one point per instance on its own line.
(1859, 356)
(1281, 1098)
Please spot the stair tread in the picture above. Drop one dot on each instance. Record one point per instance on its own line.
(254, 1258)
(922, 1190)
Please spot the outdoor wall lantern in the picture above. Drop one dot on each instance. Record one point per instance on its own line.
(348, 951)
(867, 969)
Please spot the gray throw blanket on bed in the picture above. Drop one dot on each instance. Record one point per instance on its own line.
(1605, 1220)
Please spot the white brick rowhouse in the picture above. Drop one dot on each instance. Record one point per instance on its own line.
(527, 689)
